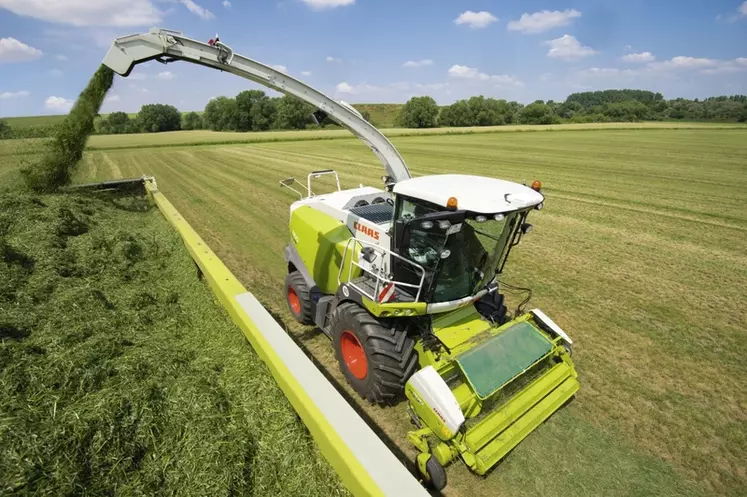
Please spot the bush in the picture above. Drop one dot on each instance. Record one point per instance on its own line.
(419, 112)
(292, 113)
(116, 123)
(192, 120)
(5, 131)
(159, 117)
(221, 114)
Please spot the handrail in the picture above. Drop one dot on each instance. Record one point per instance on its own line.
(378, 275)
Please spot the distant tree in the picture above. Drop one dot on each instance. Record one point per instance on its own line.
(292, 113)
(536, 113)
(5, 131)
(115, 123)
(458, 114)
(513, 112)
(592, 98)
(159, 117)
(419, 112)
(568, 109)
(221, 114)
(366, 115)
(488, 111)
(263, 114)
(629, 110)
(192, 120)
(245, 102)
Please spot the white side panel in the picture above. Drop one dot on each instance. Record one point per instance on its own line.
(436, 393)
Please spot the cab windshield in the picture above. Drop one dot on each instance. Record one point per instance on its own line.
(459, 258)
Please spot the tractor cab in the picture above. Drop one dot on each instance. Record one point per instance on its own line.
(459, 229)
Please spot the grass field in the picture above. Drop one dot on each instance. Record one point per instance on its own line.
(639, 254)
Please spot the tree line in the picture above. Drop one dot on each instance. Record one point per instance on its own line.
(596, 106)
(253, 110)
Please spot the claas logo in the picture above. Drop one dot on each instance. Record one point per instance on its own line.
(368, 231)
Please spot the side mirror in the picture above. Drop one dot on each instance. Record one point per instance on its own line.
(368, 254)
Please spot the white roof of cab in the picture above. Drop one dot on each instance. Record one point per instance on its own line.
(473, 193)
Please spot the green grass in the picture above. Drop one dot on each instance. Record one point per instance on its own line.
(382, 115)
(204, 137)
(119, 375)
(34, 121)
(639, 255)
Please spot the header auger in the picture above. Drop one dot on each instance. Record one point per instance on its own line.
(404, 280)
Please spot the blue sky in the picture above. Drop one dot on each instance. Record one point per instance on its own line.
(381, 50)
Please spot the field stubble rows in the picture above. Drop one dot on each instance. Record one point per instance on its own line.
(639, 254)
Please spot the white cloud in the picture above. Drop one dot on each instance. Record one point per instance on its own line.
(88, 13)
(332, 59)
(138, 88)
(281, 68)
(418, 63)
(327, 4)
(431, 86)
(471, 73)
(505, 80)
(669, 68)
(344, 87)
(12, 50)
(539, 22)
(639, 57)
(476, 19)
(464, 72)
(743, 8)
(682, 62)
(227, 4)
(602, 72)
(61, 58)
(9, 95)
(567, 47)
(56, 73)
(305, 73)
(112, 98)
(165, 75)
(137, 76)
(197, 10)
(58, 104)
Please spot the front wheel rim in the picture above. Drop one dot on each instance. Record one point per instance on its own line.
(293, 301)
(354, 355)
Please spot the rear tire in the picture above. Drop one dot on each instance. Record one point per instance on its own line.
(376, 360)
(297, 297)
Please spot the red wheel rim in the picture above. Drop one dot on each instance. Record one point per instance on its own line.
(294, 301)
(354, 355)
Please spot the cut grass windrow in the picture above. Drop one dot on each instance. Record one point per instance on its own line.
(119, 374)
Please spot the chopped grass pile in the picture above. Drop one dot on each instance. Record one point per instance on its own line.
(118, 372)
(55, 167)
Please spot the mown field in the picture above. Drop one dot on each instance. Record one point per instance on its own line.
(639, 255)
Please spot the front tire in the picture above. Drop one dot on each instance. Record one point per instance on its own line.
(297, 297)
(376, 360)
